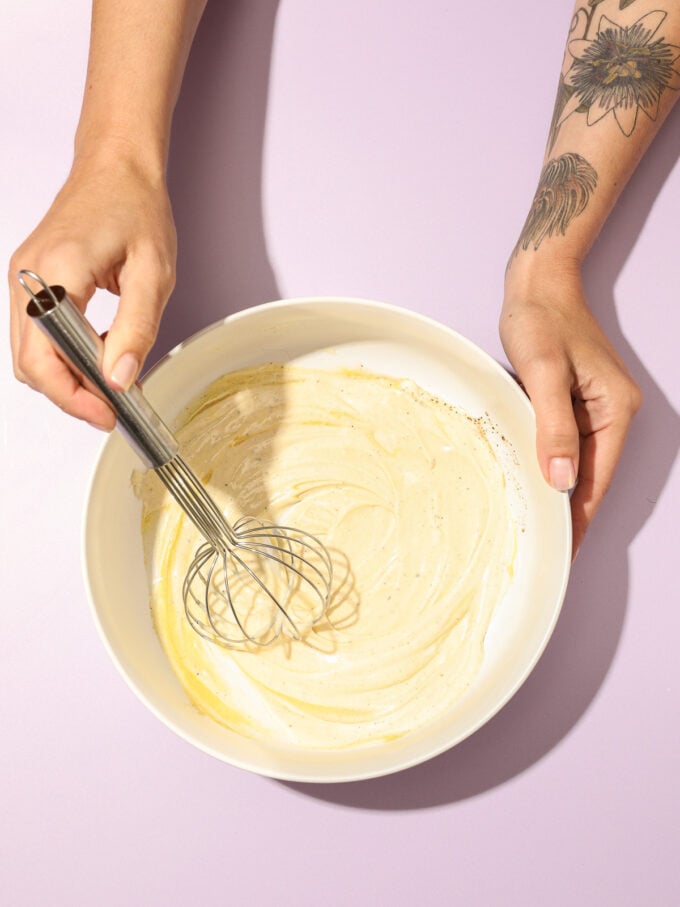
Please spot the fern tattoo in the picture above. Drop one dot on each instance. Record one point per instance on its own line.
(564, 190)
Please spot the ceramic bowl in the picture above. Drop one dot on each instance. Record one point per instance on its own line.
(332, 333)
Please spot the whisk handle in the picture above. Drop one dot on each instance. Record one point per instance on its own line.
(73, 335)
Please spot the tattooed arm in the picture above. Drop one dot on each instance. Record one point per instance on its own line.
(620, 78)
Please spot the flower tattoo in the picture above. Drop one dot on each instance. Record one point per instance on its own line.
(622, 70)
(564, 190)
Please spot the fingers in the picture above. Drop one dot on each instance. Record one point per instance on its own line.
(145, 284)
(36, 362)
(50, 375)
(110, 228)
(560, 352)
(579, 445)
(602, 444)
(548, 383)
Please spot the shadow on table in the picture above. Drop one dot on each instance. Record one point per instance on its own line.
(215, 183)
(215, 171)
(578, 657)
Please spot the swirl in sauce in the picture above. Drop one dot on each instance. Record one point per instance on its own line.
(407, 493)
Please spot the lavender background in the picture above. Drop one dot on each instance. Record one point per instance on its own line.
(387, 150)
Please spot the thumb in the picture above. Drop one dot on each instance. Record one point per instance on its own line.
(143, 297)
(557, 436)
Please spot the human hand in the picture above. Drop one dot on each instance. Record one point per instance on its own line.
(582, 394)
(109, 227)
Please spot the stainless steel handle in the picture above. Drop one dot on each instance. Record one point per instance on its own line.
(73, 335)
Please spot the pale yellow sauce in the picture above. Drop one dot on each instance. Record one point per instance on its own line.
(408, 495)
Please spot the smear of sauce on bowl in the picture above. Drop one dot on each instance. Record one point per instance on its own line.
(408, 495)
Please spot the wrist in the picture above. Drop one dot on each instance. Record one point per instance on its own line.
(541, 266)
(113, 149)
(546, 279)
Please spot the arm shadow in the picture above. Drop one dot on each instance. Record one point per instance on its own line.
(215, 170)
(577, 659)
(214, 182)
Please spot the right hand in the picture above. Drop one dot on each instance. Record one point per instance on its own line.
(582, 394)
(110, 227)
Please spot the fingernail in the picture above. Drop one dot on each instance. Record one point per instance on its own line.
(125, 371)
(98, 427)
(562, 473)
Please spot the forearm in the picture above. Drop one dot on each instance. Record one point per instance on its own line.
(620, 78)
(138, 52)
(111, 224)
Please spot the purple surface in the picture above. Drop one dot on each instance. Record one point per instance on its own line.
(383, 151)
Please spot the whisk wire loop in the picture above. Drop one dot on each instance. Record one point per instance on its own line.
(300, 555)
(289, 560)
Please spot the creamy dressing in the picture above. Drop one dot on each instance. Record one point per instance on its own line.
(407, 494)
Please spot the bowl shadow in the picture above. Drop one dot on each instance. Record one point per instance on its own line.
(215, 184)
(580, 653)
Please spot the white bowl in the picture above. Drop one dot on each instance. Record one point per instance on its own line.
(331, 333)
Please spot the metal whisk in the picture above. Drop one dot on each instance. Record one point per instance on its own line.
(248, 582)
